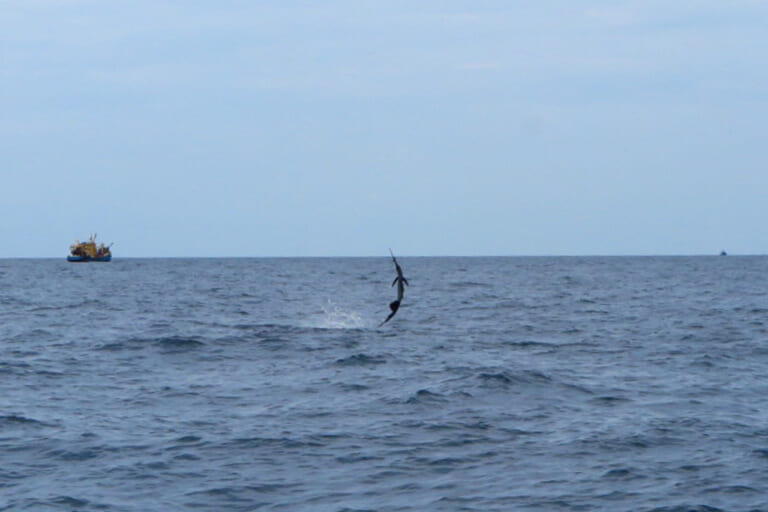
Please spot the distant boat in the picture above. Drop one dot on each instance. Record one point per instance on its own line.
(89, 251)
(723, 253)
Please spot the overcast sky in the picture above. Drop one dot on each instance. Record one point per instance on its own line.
(313, 128)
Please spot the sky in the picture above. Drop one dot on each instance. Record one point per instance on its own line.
(345, 128)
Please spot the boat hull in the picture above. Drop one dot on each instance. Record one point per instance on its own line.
(86, 259)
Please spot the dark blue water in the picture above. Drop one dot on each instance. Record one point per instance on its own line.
(532, 384)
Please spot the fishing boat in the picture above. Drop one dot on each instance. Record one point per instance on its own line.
(89, 251)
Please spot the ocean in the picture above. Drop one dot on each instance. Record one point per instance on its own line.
(502, 384)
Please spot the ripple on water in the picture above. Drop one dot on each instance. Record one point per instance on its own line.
(361, 360)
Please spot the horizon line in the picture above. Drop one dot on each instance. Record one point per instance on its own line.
(647, 255)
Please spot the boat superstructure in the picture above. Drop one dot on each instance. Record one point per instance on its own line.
(89, 251)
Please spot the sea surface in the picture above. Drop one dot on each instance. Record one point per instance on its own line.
(502, 384)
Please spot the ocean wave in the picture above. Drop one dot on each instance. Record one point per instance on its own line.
(357, 457)
(623, 474)
(167, 344)
(63, 501)
(117, 346)
(507, 378)
(237, 492)
(361, 360)
(609, 400)
(189, 439)
(686, 508)
(461, 285)
(424, 396)
(13, 420)
(238, 498)
(87, 453)
(279, 442)
(354, 386)
(178, 343)
(15, 368)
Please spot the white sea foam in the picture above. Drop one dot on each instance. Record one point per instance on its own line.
(336, 317)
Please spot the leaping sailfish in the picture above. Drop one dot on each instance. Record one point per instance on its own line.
(401, 281)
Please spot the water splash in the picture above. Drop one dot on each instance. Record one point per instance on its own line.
(334, 317)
